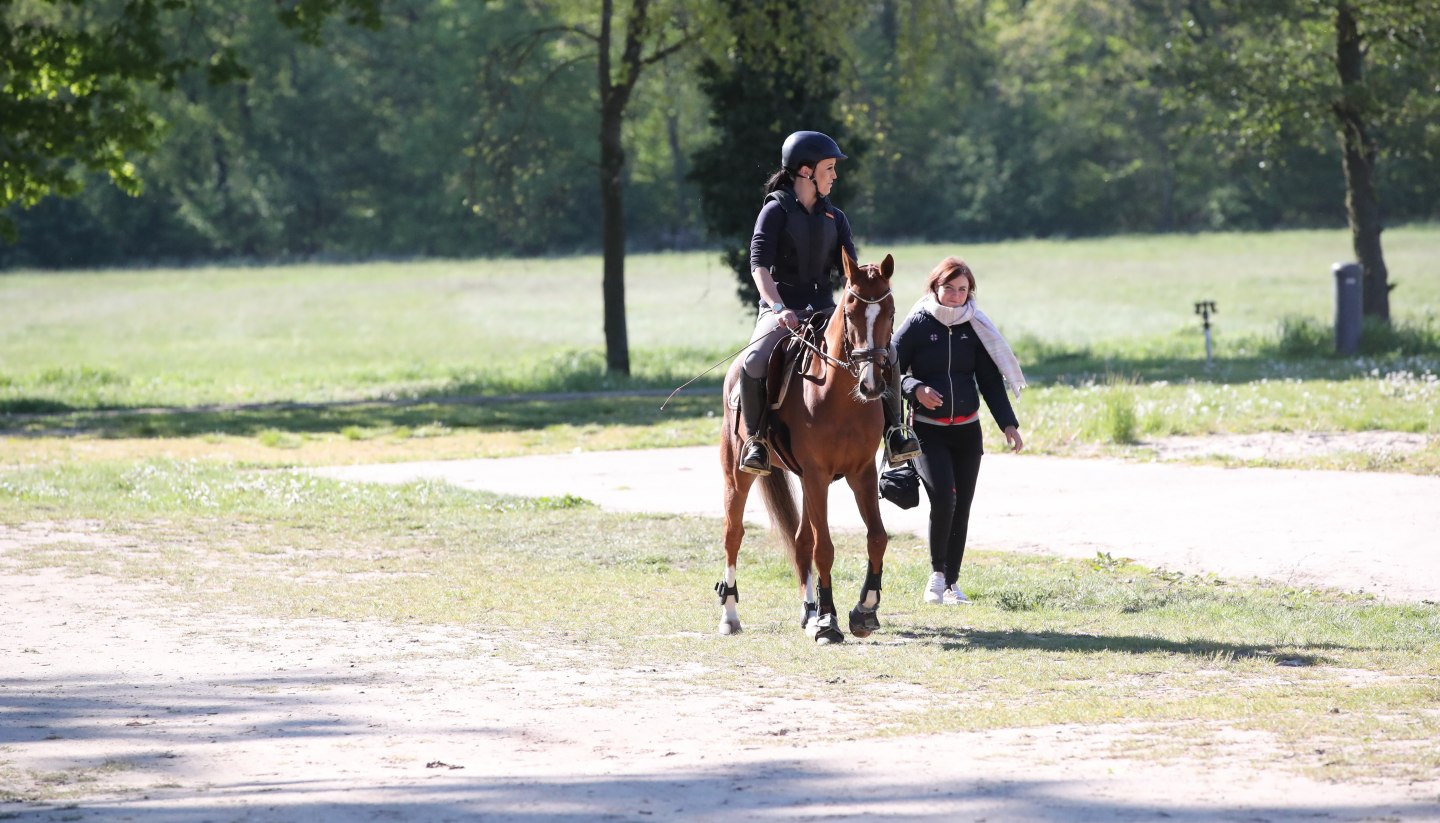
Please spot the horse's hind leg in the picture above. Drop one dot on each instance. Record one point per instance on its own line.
(863, 618)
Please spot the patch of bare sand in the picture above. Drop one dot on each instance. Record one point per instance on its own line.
(118, 708)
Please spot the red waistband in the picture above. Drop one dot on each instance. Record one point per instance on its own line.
(950, 421)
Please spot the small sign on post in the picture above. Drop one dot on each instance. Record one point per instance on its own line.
(1205, 308)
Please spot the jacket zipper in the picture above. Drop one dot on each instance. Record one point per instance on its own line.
(950, 366)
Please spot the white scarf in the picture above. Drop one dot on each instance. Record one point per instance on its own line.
(990, 337)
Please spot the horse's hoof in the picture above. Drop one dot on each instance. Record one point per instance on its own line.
(728, 627)
(824, 631)
(863, 623)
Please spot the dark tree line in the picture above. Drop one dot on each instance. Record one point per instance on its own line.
(201, 132)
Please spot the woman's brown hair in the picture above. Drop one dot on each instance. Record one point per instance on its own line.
(947, 270)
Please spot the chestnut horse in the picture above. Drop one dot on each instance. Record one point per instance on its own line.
(833, 425)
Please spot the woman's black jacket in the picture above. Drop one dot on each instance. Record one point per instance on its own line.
(952, 361)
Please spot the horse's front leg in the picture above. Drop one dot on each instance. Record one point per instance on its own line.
(863, 618)
(737, 489)
(826, 627)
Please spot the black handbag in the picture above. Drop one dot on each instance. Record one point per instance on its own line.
(901, 486)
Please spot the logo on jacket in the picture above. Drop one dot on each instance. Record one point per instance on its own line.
(934, 338)
(964, 336)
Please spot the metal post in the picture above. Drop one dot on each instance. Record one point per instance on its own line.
(1347, 308)
(1204, 308)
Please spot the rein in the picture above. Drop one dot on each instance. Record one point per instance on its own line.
(853, 357)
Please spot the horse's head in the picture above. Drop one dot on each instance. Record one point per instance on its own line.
(868, 309)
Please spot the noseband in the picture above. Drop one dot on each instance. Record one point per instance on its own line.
(856, 358)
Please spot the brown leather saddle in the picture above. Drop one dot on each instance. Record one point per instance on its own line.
(790, 359)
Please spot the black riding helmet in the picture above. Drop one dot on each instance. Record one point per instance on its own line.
(807, 148)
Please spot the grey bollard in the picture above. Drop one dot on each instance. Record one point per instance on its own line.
(1347, 308)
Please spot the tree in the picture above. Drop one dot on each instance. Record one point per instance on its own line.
(73, 76)
(1271, 73)
(760, 92)
(617, 75)
(623, 42)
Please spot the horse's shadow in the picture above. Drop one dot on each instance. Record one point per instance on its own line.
(964, 639)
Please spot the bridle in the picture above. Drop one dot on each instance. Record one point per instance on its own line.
(855, 359)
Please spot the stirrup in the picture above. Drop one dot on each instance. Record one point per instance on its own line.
(755, 442)
(910, 447)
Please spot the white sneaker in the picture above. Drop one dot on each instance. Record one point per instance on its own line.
(954, 597)
(935, 590)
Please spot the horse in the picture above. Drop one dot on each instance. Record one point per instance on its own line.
(828, 426)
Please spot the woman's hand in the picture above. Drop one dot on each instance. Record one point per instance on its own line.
(1012, 436)
(928, 397)
(789, 319)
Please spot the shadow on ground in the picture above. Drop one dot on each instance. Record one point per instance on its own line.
(792, 788)
(478, 414)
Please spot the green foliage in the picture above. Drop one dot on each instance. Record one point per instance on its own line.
(470, 129)
(1120, 417)
(1302, 337)
(759, 93)
(76, 76)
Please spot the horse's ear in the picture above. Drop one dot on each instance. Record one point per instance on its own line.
(848, 267)
(887, 267)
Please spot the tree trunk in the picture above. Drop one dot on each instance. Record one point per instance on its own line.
(612, 202)
(1362, 206)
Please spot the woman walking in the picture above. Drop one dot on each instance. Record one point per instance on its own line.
(951, 356)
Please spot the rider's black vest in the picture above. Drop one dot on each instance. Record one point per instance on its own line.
(805, 253)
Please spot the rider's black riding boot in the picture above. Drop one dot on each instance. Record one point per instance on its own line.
(900, 442)
(755, 454)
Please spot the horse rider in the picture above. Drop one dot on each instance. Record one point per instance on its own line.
(796, 246)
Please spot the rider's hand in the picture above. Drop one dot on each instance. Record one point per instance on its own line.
(928, 397)
(789, 319)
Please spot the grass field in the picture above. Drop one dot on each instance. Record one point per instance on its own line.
(1105, 328)
(118, 394)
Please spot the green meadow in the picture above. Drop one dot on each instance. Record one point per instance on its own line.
(168, 414)
(393, 361)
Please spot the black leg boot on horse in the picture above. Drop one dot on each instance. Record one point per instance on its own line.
(900, 442)
(863, 618)
(825, 627)
(754, 405)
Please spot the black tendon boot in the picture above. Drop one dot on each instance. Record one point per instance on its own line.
(826, 630)
(900, 442)
(755, 454)
(863, 620)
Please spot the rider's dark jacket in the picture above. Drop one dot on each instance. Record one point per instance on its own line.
(803, 247)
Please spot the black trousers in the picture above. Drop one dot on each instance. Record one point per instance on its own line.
(949, 464)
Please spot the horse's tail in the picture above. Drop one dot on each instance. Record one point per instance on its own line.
(779, 499)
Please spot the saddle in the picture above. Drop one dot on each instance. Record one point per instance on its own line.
(790, 358)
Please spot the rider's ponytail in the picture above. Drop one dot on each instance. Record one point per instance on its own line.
(781, 179)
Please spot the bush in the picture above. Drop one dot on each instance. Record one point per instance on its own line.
(1302, 337)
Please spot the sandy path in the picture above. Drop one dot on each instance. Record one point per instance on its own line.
(222, 717)
(137, 712)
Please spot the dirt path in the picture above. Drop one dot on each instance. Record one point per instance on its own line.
(130, 711)
(141, 713)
